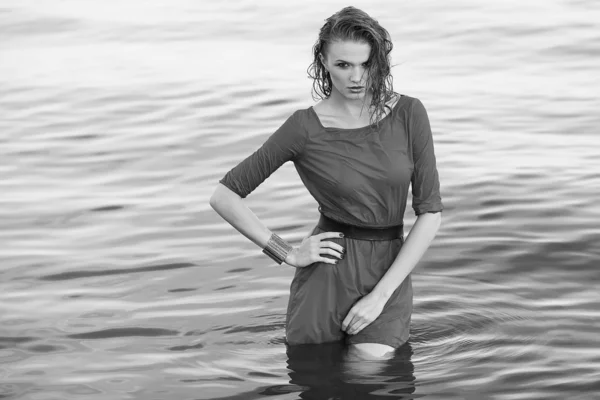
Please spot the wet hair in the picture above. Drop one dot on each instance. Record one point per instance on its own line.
(353, 24)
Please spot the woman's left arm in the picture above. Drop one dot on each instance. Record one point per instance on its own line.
(427, 204)
(417, 242)
(369, 307)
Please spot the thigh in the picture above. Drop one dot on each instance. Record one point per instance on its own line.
(312, 315)
(392, 327)
(370, 351)
(313, 308)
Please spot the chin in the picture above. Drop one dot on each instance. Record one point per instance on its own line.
(354, 96)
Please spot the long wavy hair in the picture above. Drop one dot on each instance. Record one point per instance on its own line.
(353, 24)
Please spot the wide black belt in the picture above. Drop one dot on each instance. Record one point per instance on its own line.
(358, 232)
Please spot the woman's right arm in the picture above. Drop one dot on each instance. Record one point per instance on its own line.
(285, 144)
(230, 206)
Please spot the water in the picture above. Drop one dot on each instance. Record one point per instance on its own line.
(118, 281)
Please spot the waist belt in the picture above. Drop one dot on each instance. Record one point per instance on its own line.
(357, 232)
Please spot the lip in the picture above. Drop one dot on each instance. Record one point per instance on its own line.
(356, 87)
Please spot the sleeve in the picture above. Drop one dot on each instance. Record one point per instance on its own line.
(425, 181)
(285, 144)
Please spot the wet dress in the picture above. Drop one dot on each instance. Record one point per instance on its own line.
(361, 177)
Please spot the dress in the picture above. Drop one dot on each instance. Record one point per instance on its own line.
(359, 177)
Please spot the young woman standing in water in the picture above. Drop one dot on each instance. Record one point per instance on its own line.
(357, 151)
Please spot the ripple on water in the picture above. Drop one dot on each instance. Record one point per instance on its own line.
(88, 274)
(124, 332)
(446, 323)
(10, 342)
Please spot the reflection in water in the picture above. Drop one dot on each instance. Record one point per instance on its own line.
(328, 371)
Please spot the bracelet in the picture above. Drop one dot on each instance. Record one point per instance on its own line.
(277, 248)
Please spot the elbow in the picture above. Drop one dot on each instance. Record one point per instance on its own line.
(213, 201)
(434, 218)
(220, 194)
(213, 198)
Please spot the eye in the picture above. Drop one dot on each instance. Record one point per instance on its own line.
(344, 65)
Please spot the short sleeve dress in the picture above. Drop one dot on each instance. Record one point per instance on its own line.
(360, 177)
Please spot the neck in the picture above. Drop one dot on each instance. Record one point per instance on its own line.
(354, 107)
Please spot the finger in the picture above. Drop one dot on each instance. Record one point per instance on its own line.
(332, 248)
(325, 235)
(356, 330)
(353, 329)
(332, 252)
(348, 321)
(332, 245)
(359, 323)
(326, 260)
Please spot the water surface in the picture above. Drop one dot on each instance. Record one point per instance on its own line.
(118, 281)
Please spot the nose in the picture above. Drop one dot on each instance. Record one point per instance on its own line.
(356, 75)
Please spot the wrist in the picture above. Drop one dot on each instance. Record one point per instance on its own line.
(382, 293)
(277, 248)
(290, 256)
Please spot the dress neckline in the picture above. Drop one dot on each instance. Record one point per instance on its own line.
(360, 128)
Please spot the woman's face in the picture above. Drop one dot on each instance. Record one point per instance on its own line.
(346, 62)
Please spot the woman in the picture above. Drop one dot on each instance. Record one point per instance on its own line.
(357, 151)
